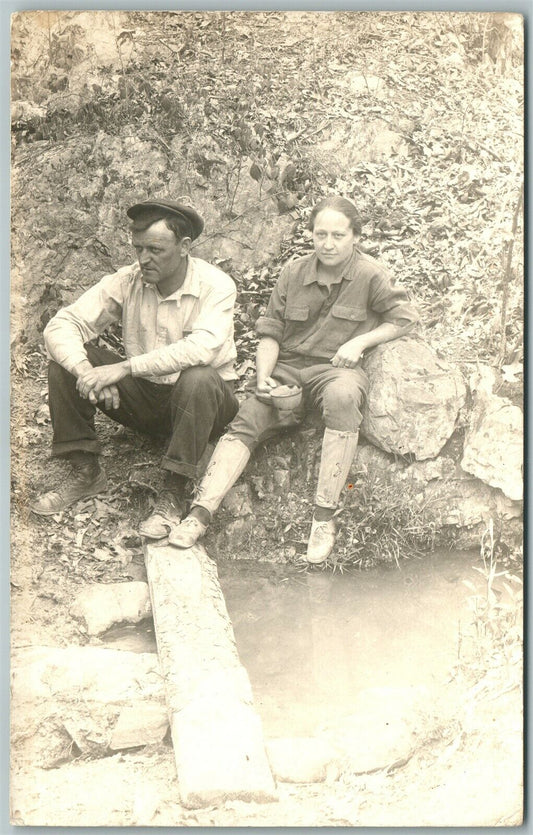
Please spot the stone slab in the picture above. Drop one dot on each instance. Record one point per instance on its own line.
(216, 733)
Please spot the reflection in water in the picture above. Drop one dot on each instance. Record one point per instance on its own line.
(313, 642)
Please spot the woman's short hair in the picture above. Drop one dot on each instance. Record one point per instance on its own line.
(338, 204)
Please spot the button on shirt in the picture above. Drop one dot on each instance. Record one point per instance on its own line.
(313, 319)
(162, 336)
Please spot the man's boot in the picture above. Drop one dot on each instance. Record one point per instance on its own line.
(338, 453)
(168, 510)
(226, 465)
(86, 479)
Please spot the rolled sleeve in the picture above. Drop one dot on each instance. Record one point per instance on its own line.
(266, 326)
(273, 322)
(392, 303)
(68, 331)
(212, 332)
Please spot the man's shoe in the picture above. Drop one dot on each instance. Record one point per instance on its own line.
(83, 483)
(167, 513)
(321, 541)
(187, 533)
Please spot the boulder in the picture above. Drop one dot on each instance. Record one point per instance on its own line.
(102, 605)
(449, 497)
(413, 401)
(493, 448)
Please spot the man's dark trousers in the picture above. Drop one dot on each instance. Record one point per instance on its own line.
(190, 412)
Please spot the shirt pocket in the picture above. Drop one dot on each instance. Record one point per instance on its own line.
(341, 325)
(296, 325)
(297, 313)
(348, 314)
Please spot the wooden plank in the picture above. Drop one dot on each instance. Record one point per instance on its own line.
(216, 732)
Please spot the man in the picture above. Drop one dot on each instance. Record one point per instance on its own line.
(326, 310)
(177, 379)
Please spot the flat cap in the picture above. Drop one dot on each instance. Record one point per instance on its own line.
(150, 211)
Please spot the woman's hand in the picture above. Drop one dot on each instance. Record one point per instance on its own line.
(349, 354)
(263, 389)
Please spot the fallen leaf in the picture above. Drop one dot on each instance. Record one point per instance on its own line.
(510, 372)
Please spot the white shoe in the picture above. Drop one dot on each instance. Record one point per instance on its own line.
(187, 533)
(321, 541)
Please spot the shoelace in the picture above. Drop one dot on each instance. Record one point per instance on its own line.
(166, 505)
(74, 478)
(322, 528)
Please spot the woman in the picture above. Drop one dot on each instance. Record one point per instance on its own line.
(325, 311)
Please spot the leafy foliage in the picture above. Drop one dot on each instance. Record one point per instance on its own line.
(285, 112)
(417, 117)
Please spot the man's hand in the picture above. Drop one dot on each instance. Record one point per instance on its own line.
(349, 354)
(110, 397)
(263, 389)
(95, 380)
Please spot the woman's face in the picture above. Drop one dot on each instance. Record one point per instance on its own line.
(333, 237)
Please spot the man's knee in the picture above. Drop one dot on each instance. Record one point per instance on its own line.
(57, 375)
(195, 381)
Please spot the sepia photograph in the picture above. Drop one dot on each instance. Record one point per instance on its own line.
(267, 377)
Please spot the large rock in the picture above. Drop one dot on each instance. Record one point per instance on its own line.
(79, 695)
(413, 401)
(448, 497)
(493, 448)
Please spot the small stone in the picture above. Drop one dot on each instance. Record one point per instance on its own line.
(238, 501)
(300, 759)
(144, 724)
(100, 606)
(282, 481)
(237, 533)
(76, 694)
(383, 730)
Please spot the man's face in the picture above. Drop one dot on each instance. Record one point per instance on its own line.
(161, 255)
(333, 237)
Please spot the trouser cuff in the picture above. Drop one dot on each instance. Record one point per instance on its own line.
(181, 467)
(62, 448)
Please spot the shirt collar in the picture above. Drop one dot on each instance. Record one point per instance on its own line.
(190, 286)
(348, 272)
